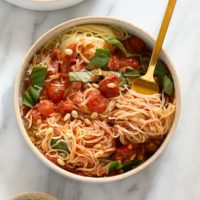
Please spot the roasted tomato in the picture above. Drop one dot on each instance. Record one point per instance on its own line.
(134, 44)
(119, 61)
(65, 107)
(137, 44)
(55, 91)
(45, 107)
(113, 63)
(35, 114)
(97, 102)
(109, 86)
(129, 62)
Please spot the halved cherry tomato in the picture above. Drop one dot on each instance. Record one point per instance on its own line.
(55, 91)
(113, 64)
(107, 91)
(65, 107)
(45, 107)
(97, 102)
(134, 44)
(118, 61)
(137, 44)
(35, 114)
(129, 62)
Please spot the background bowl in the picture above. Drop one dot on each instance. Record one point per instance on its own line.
(33, 196)
(52, 33)
(44, 4)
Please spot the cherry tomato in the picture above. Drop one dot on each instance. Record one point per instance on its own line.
(118, 61)
(137, 44)
(97, 102)
(55, 91)
(129, 62)
(109, 86)
(65, 107)
(45, 107)
(35, 115)
(113, 64)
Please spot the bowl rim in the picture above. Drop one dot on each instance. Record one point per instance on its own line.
(88, 20)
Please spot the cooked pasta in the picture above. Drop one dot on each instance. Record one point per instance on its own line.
(78, 107)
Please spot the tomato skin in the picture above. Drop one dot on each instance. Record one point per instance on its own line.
(129, 62)
(113, 64)
(45, 107)
(109, 92)
(35, 114)
(65, 107)
(55, 91)
(118, 61)
(134, 44)
(137, 44)
(97, 102)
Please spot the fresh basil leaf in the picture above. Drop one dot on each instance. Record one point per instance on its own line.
(131, 73)
(128, 165)
(90, 76)
(100, 59)
(164, 78)
(168, 86)
(114, 165)
(56, 144)
(160, 70)
(31, 96)
(38, 75)
(83, 77)
(32, 93)
(119, 45)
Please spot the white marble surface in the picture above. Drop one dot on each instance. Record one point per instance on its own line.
(175, 175)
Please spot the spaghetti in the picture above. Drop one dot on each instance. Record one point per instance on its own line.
(78, 107)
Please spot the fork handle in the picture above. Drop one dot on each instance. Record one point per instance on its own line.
(161, 36)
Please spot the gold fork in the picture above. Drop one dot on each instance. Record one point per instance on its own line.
(146, 84)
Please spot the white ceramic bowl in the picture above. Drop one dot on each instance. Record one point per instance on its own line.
(44, 4)
(52, 33)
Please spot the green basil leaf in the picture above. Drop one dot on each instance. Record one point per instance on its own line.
(83, 77)
(32, 93)
(164, 78)
(114, 165)
(119, 45)
(128, 165)
(100, 59)
(168, 85)
(38, 75)
(160, 70)
(31, 96)
(56, 144)
(90, 76)
(131, 73)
